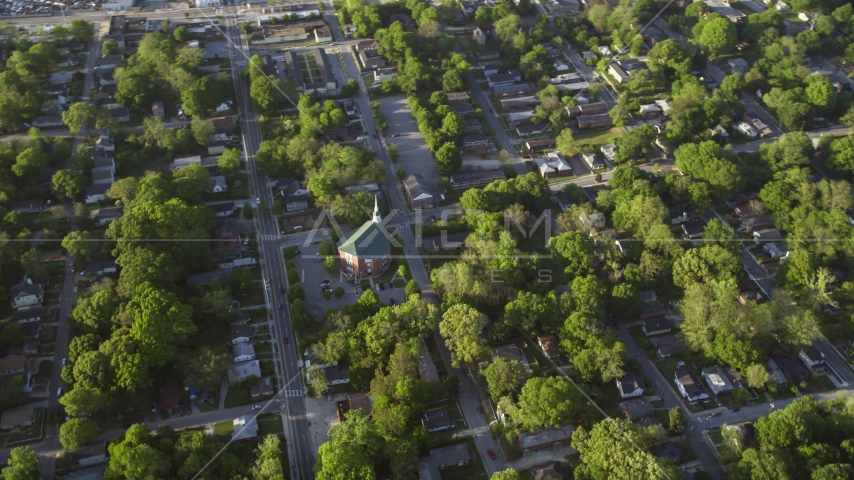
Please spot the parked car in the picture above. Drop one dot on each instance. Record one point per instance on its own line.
(59, 392)
(479, 409)
(256, 407)
(63, 361)
(154, 407)
(280, 305)
(285, 339)
(492, 454)
(734, 409)
(258, 200)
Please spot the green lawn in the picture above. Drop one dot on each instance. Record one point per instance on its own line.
(819, 384)
(640, 338)
(224, 429)
(598, 137)
(48, 333)
(29, 434)
(268, 369)
(663, 416)
(238, 394)
(269, 423)
(263, 348)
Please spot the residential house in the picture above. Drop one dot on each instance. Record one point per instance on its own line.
(437, 420)
(513, 91)
(637, 408)
(549, 345)
(241, 334)
(34, 205)
(678, 215)
(476, 178)
(426, 368)
(650, 111)
(96, 192)
(767, 235)
(586, 122)
(27, 294)
(28, 314)
(720, 134)
(473, 126)
(243, 371)
(443, 458)
(717, 380)
(563, 199)
(170, 397)
(102, 177)
(665, 340)
(296, 203)
(120, 114)
(103, 164)
(689, 385)
(158, 109)
(47, 121)
(383, 74)
(102, 268)
(16, 418)
(813, 359)
(530, 129)
(92, 454)
(243, 352)
(218, 184)
(479, 36)
(185, 162)
(562, 7)
(265, 386)
(369, 55)
(630, 386)
(757, 222)
(511, 352)
(592, 161)
(337, 374)
(457, 98)
(245, 428)
(561, 65)
(488, 55)
(670, 350)
(359, 400)
(541, 144)
(618, 73)
(225, 106)
(694, 228)
(509, 78)
(668, 451)
(418, 196)
(775, 374)
(110, 62)
(744, 297)
(738, 65)
(60, 94)
(472, 141)
(596, 108)
(13, 365)
(776, 249)
(592, 220)
(656, 326)
(223, 209)
(544, 438)
(465, 110)
(554, 165)
(548, 471)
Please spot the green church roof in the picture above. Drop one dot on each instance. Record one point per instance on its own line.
(369, 241)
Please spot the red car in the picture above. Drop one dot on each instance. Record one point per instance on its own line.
(479, 409)
(491, 454)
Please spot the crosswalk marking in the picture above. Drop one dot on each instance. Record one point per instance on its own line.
(292, 393)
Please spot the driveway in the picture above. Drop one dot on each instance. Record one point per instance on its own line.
(413, 154)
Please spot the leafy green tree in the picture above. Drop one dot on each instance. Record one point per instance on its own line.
(268, 464)
(452, 81)
(136, 456)
(82, 401)
(676, 421)
(547, 403)
(756, 375)
(625, 301)
(203, 130)
(530, 311)
(820, 93)
(574, 250)
(565, 142)
(322, 189)
(619, 439)
(461, 326)
(77, 114)
(203, 96)
(483, 17)
(96, 311)
(77, 432)
(109, 47)
(229, 164)
(412, 288)
(30, 163)
(708, 162)
(160, 322)
(181, 34)
(509, 474)
(504, 378)
(23, 464)
(448, 159)
(338, 462)
(206, 367)
(68, 184)
(79, 244)
(709, 262)
(719, 36)
(81, 30)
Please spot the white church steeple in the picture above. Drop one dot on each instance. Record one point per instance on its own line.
(377, 218)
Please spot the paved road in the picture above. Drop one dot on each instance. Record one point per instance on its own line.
(301, 450)
(668, 396)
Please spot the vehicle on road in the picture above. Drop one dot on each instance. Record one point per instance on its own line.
(492, 454)
(189, 409)
(396, 135)
(282, 289)
(73, 266)
(63, 361)
(285, 339)
(256, 407)
(479, 409)
(154, 407)
(258, 200)
(392, 302)
(280, 305)
(59, 392)
(734, 409)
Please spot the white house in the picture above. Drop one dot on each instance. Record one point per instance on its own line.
(225, 106)
(782, 6)
(242, 371)
(218, 184)
(561, 65)
(745, 128)
(383, 74)
(717, 380)
(245, 427)
(630, 386)
(27, 294)
(689, 385)
(243, 352)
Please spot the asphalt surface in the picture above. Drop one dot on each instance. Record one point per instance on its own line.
(301, 451)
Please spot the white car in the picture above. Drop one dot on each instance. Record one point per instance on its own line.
(59, 392)
(256, 407)
(360, 138)
(63, 361)
(258, 200)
